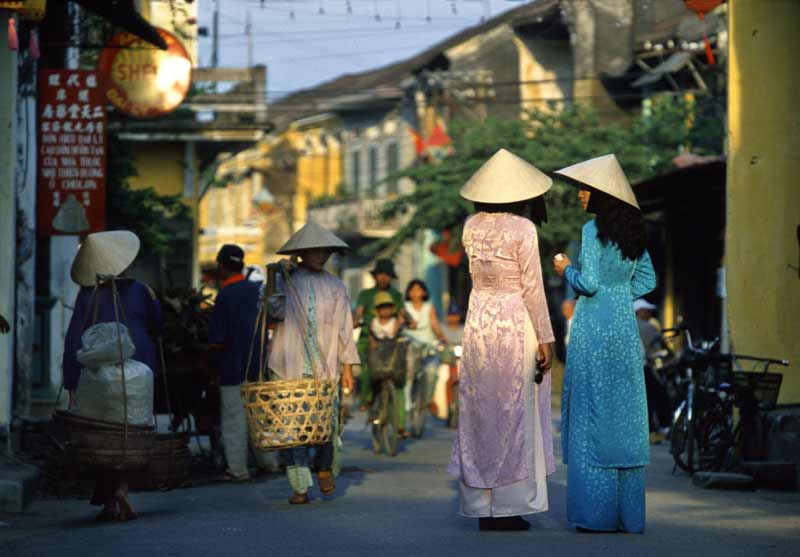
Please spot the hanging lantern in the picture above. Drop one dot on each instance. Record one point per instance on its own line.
(701, 8)
(4, 5)
(13, 39)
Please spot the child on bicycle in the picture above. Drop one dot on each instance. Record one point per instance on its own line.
(386, 325)
(387, 322)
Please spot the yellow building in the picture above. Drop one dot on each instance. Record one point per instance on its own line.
(762, 242)
(265, 191)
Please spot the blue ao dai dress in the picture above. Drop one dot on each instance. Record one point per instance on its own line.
(604, 406)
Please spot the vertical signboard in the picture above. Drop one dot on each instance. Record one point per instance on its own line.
(72, 152)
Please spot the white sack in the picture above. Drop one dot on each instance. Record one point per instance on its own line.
(99, 393)
(99, 345)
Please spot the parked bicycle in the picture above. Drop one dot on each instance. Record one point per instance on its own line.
(705, 435)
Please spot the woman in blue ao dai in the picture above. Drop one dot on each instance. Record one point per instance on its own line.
(604, 407)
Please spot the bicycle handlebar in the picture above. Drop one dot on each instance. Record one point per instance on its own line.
(784, 363)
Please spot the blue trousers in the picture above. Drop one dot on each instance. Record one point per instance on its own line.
(605, 499)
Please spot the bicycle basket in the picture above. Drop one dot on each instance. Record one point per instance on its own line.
(764, 387)
(387, 360)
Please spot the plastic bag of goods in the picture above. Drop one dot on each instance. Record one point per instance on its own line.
(99, 393)
(100, 345)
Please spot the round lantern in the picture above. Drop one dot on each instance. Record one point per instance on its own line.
(701, 8)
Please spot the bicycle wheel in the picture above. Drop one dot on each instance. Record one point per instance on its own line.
(682, 440)
(419, 411)
(715, 441)
(389, 425)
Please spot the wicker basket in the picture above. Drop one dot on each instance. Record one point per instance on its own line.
(105, 445)
(290, 413)
(170, 463)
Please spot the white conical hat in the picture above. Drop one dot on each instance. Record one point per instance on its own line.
(505, 178)
(313, 236)
(603, 174)
(104, 253)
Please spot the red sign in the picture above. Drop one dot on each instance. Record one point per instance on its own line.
(142, 80)
(72, 152)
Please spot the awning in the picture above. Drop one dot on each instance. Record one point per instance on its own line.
(123, 14)
(675, 62)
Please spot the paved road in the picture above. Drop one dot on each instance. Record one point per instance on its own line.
(401, 506)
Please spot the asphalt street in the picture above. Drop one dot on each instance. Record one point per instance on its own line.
(405, 505)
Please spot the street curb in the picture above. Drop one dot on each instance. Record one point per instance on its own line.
(18, 483)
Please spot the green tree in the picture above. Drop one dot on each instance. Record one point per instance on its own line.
(550, 139)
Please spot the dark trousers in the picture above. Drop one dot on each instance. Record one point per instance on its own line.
(657, 401)
(322, 458)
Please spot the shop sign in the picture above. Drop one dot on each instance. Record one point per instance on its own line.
(72, 152)
(142, 80)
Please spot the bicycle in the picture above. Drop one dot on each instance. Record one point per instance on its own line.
(387, 367)
(384, 421)
(704, 435)
(452, 386)
(426, 355)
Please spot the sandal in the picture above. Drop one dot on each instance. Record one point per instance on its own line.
(124, 517)
(327, 485)
(230, 478)
(298, 499)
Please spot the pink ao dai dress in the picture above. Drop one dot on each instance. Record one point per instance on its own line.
(503, 450)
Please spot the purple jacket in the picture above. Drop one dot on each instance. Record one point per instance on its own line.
(141, 313)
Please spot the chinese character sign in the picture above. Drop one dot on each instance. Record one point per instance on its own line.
(72, 152)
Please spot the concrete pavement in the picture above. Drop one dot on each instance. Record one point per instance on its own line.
(400, 506)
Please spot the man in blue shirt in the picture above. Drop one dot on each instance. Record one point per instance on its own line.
(233, 323)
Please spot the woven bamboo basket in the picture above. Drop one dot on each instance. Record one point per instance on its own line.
(170, 462)
(290, 413)
(105, 445)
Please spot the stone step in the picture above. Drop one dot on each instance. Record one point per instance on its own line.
(18, 485)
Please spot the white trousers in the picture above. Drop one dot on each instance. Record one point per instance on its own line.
(234, 430)
(526, 496)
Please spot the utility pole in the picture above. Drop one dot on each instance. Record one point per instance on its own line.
(215, 40)
(248, 30)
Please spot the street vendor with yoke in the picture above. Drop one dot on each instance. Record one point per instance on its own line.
(101, 256)
(315, 338)
(232, 324)
(383, 273)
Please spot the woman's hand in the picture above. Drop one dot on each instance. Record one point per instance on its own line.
(560, 263)
(544, 357)
(348, 382)
(4, 326)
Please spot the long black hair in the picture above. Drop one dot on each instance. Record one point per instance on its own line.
(532, 209)
(421, 284)
(618, 223)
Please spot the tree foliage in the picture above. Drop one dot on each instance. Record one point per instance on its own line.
(142, 211)
(552, 139)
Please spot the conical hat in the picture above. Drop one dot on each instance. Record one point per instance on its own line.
(603, 174)
(313, 236)
(505, 178)
(104, 253)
